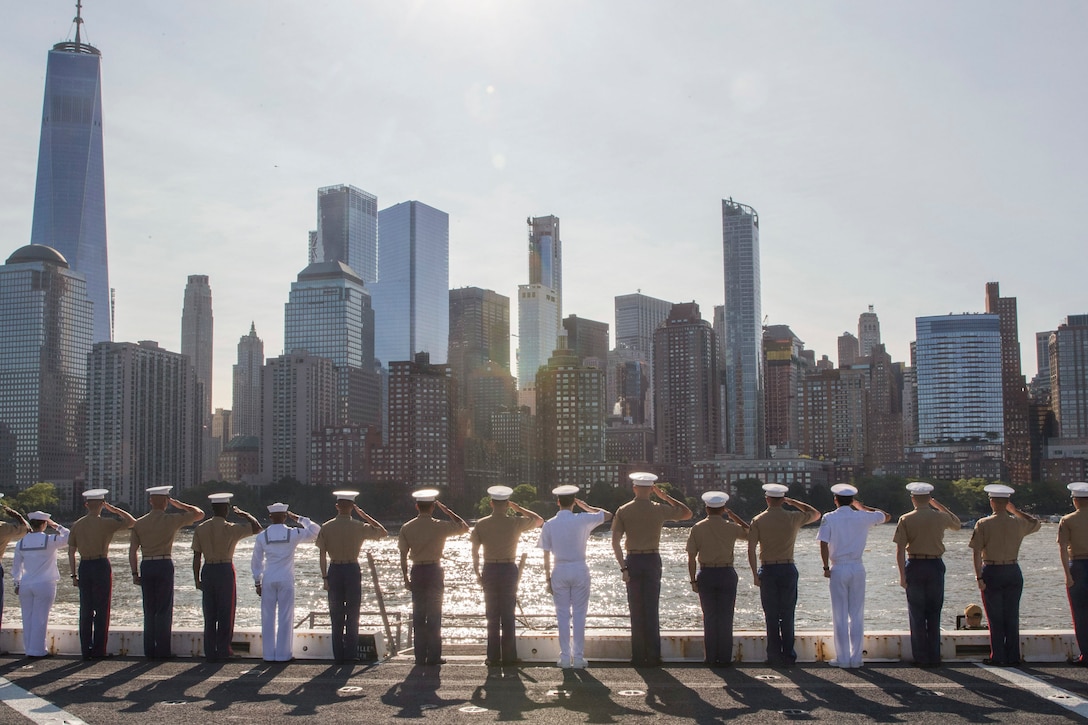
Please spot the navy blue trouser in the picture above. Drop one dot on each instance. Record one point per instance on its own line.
(218, 586)
(345, 595)
(157, 582)
(1001, 598)
(925, 598)
(643, 599)
(1078, 603)
(778, 594)
(500, 582)
(718, 598)
(95, 590)
(428, 586)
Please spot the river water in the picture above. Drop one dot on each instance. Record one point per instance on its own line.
(1044, 605)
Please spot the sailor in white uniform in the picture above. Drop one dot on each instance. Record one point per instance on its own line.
(36, 575)
(273, 568)
(843, 535)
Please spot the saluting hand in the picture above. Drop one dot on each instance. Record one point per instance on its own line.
(258, 586)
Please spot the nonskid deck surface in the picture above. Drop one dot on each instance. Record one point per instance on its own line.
(124, 689)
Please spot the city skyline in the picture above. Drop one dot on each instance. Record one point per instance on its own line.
(896, 162)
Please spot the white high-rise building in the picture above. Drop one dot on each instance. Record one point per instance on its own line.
(142, 419)
(540, 304)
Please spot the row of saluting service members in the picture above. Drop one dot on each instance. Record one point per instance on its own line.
(636, 532)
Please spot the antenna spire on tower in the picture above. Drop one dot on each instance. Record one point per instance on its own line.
(78, 19)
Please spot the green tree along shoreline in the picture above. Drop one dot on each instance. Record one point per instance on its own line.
(392, 503)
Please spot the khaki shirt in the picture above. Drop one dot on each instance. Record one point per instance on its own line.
(712, 540)
(922, 531)
(640, 520)
(1074, 527)
(499, 535)
(154, 531)
(998, 536)
(217, 537)
(775, 530)
(342, 538)
(91, 535)
(10, 532)
(424, 538)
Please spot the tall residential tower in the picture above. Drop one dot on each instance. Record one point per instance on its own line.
(743, 331)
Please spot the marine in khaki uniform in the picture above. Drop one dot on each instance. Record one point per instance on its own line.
(153, 538)
(90, 537)
(773, 533)
(919, 542)
(9, 532)
(339, 544)
(996, 545)
(214, 542)
(498, 536)
(637, 524)
(1073, 552)
(710, 546)
(422, 540)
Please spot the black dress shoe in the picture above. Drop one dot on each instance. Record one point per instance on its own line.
(439, 661)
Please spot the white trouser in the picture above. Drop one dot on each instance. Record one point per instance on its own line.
(570, 591)
(277, 619)
(36, 601)
(848, 611)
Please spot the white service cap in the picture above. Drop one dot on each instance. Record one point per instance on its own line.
(38, 516)
(160, 490)
(220, 497)
(1079, 489)
(426, 495)
(714, 499)
(345, 495)
(775, 490)
(844, 489)
(642, 478)
(919, 488)
(999, 490)
(500, 493)
(277, 508)
(95, 494)
(565, 490)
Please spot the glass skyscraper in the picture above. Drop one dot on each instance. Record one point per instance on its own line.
(45, 323)
(958, 361)
(745, 435)
(540, 303)
(347, 230)
(70, 195)
(412, 296)
(329, 315)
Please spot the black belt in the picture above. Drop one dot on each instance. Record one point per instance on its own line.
(345, 561)
(647, 551)
(999, 563)
(91, 558)
(155, 558)
(923, 556)
(499, 561)
(778, 561)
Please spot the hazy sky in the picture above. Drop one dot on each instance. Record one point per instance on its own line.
(899, 154)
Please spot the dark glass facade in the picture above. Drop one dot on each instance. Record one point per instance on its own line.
(45, 325)
(70, 196)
